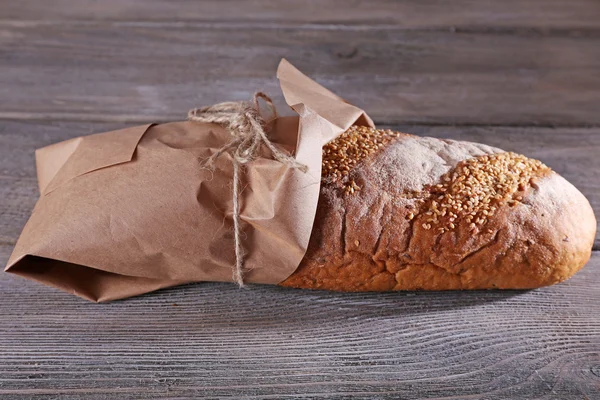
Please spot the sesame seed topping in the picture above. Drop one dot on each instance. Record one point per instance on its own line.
(347, 150)
(476, 187)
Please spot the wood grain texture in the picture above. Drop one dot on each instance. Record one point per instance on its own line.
(95, 71)
(215, 340)
(406, 14)
(517, 74)
(573, 153)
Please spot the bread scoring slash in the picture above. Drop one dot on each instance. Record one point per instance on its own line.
(400, 212)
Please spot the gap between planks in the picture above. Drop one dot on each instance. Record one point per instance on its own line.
(522, 31)
(165, 118)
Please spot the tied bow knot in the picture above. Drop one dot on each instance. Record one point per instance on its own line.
(245, 123)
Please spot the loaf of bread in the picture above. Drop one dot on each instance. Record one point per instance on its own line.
(401, 212)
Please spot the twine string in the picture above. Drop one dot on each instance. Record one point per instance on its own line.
(245, 123)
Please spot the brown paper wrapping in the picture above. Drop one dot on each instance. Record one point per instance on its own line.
(130, 211)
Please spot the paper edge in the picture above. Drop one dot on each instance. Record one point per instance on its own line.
(53, 185)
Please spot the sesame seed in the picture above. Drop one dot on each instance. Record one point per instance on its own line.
(476, 187)
(343, 153)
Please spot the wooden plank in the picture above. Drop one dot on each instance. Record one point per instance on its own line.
(130, 72)
(407, 14)
(571, 152)
(215, 340)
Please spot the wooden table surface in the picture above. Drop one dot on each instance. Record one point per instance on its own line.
(523, 75)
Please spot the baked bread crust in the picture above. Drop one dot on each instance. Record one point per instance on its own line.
(381, 238)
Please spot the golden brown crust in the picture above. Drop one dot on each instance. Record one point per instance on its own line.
(378, 239)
